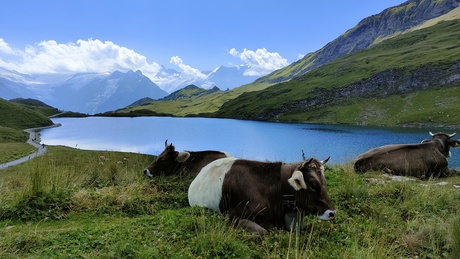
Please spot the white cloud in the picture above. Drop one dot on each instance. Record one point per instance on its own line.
(260, 62)
(98, 56)
(93, 56)
(5, 48)
(187, 71)
(233, 52)
(82, 56)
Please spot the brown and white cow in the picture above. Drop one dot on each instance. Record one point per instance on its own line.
(425, 160)
(171, 161)
(260, 196)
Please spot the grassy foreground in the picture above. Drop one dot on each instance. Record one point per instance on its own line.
(72, 203)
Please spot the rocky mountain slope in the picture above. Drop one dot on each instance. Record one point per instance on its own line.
(369, 31)
(413, 67)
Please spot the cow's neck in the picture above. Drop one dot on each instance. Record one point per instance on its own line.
(288, 194)
(187, 164)
(178, 168)
(286, 172)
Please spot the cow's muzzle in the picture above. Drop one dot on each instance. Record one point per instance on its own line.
(147, 173)
(328, 215)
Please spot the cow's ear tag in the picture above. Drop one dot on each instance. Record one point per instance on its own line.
(297, 181)
(182, 157)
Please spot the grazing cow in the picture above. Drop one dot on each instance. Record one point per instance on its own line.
(171, 162)
(260, 196)
(425, 160)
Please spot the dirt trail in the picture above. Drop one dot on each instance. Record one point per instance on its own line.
(34, 140)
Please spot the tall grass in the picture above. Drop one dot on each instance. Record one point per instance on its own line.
(456, 237)
(69, 204)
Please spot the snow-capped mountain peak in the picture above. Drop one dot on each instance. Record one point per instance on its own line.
(83, 92)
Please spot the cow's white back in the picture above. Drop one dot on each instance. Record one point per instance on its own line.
(206, 188)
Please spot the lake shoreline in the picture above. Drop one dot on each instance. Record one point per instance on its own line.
(413, 125)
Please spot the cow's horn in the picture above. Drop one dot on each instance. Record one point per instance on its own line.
(431, 134)
(453, 134)
(325, 160)
(166, 142)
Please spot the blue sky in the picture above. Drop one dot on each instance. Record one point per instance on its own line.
(188, 36)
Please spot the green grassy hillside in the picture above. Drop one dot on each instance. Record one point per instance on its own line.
(18, 116)
(36, 105)
(15, 117)
(416, 58)
(12, 135)
(437, 108)
(12, 144)
(187, 102)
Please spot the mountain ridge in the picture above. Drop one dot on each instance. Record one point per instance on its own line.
(413, 64)
(366, 33)
(83, 92)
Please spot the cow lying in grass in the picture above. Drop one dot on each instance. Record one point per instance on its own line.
(260, 196)
(425, 160)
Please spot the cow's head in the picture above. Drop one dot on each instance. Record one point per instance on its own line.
(444, 141)
(166, 163)
(310, 184)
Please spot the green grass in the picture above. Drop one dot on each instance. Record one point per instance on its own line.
(12, 135)
(18, 116)
(73, 203)
(431, 107)
(13, 151)
(181, 107)
(12, 144)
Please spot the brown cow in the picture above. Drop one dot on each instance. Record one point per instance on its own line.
(260, 196)
(425, 160)
(171, 161)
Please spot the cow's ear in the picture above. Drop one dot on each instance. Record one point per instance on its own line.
(182, 156)
(304, 165)
(454, 143)
(297, 181)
